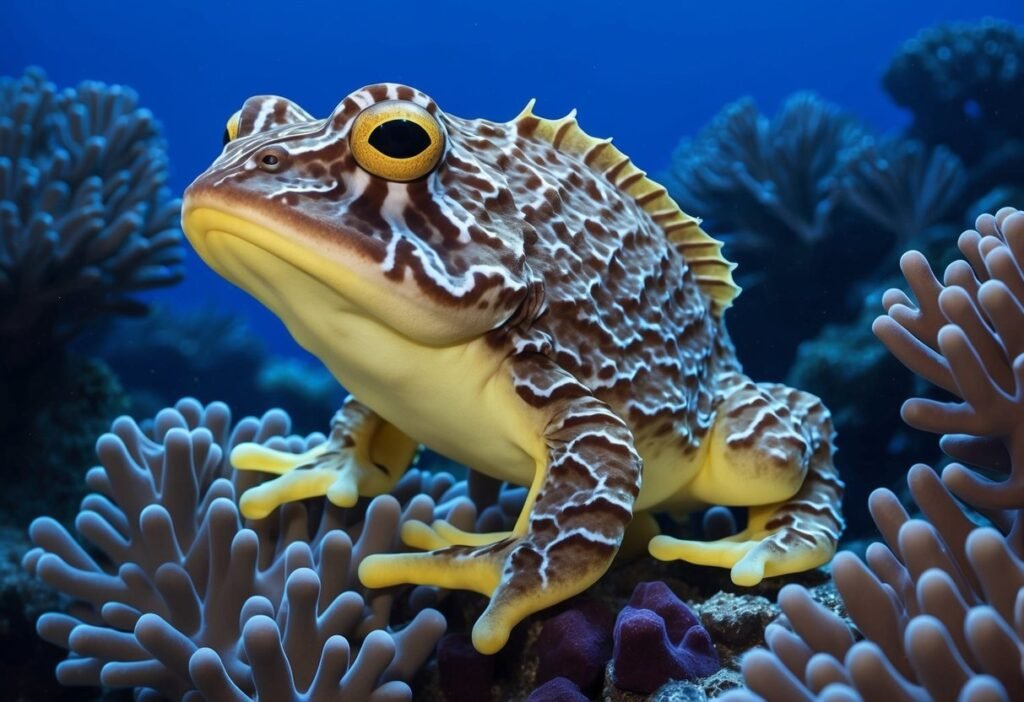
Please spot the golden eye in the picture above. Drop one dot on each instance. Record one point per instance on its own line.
(231, 128)
(396, 140)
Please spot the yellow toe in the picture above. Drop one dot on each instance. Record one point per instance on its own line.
(259, 501)
(419, 535)
(344, 488)
(489, 637)
(452, 535)
(721, 554)
(749, 570)
(438, 569)
(250, 456)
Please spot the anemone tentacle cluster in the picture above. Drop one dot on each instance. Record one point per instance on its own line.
(186, 600)
(941, 603)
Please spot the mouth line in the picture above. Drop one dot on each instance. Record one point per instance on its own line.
(255, 235)
(265, 254)
(261, 255)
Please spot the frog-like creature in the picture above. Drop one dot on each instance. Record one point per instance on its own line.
(519, 297)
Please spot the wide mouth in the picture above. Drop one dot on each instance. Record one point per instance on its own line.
(300, 274)
(207, 227)
(232, 245)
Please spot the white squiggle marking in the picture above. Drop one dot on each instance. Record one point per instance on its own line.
(225, 178)
(356, 182)
(547, 390)
(391, 210)
(265, 111)
(322, 142)
(309, 185)
(388, 264)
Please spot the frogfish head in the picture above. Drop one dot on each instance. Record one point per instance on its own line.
(387, 209)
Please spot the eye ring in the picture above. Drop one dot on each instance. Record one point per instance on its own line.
(397, 140)
(271, 159)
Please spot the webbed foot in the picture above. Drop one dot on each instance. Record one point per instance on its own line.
(580, 502)
(364, 455)
(519, 575)
(775, 543)
(769, 443)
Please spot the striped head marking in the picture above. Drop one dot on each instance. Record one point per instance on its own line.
(387, 208)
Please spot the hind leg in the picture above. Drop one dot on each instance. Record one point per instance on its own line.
(588, 476)
(770, 449)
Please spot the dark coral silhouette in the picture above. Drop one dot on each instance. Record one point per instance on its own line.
(809, 203)
(964, 82)
(85, 219)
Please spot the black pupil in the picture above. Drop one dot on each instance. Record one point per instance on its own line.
(399, 138)
(270, 160)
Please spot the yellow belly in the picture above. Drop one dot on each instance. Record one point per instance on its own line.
(667, 475)
(457, 400)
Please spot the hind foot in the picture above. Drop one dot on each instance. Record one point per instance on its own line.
(771, 545)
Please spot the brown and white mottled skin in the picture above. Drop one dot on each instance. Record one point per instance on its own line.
(534, 307)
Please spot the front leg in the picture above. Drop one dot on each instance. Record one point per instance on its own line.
(580, 502)
(364, 455)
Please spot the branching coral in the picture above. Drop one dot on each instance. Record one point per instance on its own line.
(810, 175)
(940, 604)
(903, 187)
(85, 219)
(964, 84)
(187, 601)
(770, 189)
(763, 182)
(793, 196)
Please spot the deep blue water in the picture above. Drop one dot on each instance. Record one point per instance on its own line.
(645, 73)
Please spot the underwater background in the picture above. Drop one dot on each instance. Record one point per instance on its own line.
(819, 141)
(646, 77)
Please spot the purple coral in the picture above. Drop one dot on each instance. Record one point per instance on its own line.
(576, 644)
(657, 639)
(464, 673)
(198, 602)
(558, 690)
